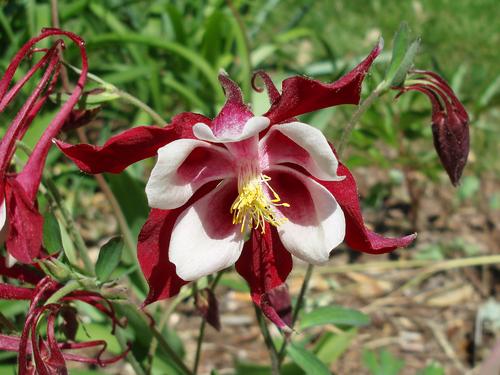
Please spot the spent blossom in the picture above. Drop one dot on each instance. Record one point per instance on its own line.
(39, 354)
(21, 223)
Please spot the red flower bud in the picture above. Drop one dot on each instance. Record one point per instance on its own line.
(450, 122)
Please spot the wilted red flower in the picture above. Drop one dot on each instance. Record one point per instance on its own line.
(45, 356)
(217, 181)
(20, 222)
(450, 121)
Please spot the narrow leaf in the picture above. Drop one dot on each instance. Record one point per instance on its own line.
(307, 361)
(334, 315)
(52, 240)
(109, 258)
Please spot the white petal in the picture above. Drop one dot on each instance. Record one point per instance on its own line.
(183, 166)
(315, 224)
(204, 239)
(3, 214)
(4, 227)
(300, 144)
(253, 126)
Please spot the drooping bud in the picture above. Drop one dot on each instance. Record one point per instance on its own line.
(450, 122)
(208, 307)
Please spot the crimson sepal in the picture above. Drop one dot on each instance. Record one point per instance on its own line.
(21, 272)
(300, 95)
(24, 238)
(235, 113)
(152, 253)
(357, 235)
(130, 146)
(265, 264)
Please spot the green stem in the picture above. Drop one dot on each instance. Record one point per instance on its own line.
(273, 353)
(357, 115)
(341, 147)
(123, 95)
(71, 286)
(139, 104)
(120, 337)
(199, 343)
(203, 323)
(298, 306)
(70, 225)
(169, 351)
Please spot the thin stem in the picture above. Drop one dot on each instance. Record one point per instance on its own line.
(273, 353)
(120, 337)
(71, 286)
(341, 147)
(203, 323)
(199, 343)
(298, 306)
(70, 225)
(168, 350)
(357, 115)
(139, 104)
(123, 95)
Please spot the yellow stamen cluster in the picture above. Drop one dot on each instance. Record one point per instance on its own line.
(252, 207)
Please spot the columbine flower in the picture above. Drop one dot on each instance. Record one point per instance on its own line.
(20, 222)
(216, 183)
(450, 121)
(46, 355)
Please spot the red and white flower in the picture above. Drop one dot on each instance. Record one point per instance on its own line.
(268, 178)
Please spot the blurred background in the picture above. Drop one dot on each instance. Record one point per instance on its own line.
(433, 306)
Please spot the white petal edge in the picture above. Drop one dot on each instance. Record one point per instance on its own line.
(253, 126)
(3, 214)
(165, 190)
(313, 244)
(323, 163)
(197, 253)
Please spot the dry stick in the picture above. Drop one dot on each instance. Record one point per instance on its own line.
(445, 345)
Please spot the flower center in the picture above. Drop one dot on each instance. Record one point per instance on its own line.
(253, 207)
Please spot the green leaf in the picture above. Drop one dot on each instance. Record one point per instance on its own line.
(243, 368)
(400, 45)
(307, 361)
(331, 346)
(432, 369)
(337, 315)
(387, 364)
(406, 64)
(52, 240)
(109, 258)
(403, 54)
